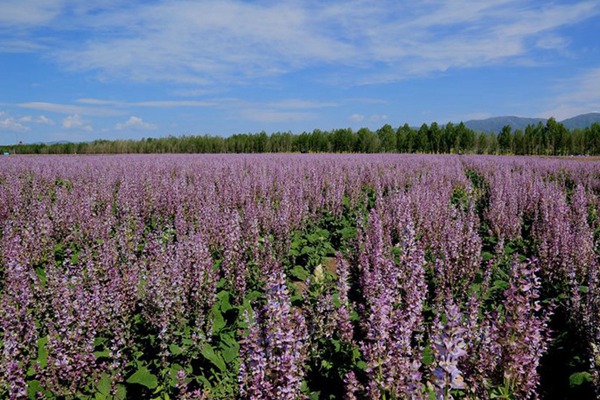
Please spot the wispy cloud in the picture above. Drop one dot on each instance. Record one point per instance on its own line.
(301, 104)
(356, 117)
(577, 95)
(24, 13)
(212, 43)
(70, 109)
(76, 122)
(153, 103)
(40, 119)
(135, 123)
(8, 123)
(21, 124)
(171, 103)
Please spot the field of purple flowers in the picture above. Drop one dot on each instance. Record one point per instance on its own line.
(299, 277)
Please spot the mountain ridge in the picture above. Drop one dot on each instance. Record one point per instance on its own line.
(495, 124)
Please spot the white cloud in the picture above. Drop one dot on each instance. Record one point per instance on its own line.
(76, 122)
(19, 124)
(356, 117)
(42, 119)
(215, 43)
(151, 103)
(172, 103)
(212, 42)
(16, 13)
(577, 95)
(301, 104)
(378, 117)
(70, 109)
(135, 123)
(11, 124)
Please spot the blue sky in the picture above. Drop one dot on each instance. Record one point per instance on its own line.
(106, 69)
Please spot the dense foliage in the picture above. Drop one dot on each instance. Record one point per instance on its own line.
(299, 276)
(551, 138)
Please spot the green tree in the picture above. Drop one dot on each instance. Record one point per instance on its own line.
(387, 138)
(504, 139)
(366, 142)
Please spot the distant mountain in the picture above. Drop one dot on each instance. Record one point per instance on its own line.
(496, 124)
(581, 121)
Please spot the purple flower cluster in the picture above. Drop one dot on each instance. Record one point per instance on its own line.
(17, 320)
(394, 292)
(97, 250)
(273, 353)
(449, 348)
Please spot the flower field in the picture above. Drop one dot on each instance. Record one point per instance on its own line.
(299, 277)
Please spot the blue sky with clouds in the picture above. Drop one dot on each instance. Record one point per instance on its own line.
(105, 69)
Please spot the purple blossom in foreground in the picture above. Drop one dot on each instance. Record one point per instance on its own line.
(273, 352)
(394, 294)
(17, 320)
(523, 333)
(448, 346)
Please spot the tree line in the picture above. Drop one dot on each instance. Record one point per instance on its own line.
(549, 138)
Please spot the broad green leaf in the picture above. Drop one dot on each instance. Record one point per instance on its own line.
(230, 351)
(102, 354)
(42, 358)
(299, 272)
(143, 377)
(209, 353)
(579, 378)
(121, 392)
(33, 388)
(175, 350)
(224, 303)
(218, 320)
(427, 357)
(104, 385)
(307, 250)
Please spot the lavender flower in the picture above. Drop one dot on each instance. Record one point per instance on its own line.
(449, 348)
(274, 351)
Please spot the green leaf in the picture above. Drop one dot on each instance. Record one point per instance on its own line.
(427, 357)
(348, 232)
(224, 303)
(361, 365)
(175, 350)
(42, 358)
(104, 385)
(299, 272)
(315, 395)
(307, 250)
(41, 274)
(218, 320)
(500, 285)
(102, 354)
(230, 353)
(579, 378)
(33, 388)
(143, 377)
(121, 392)
(209, 353)
(486, 256)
